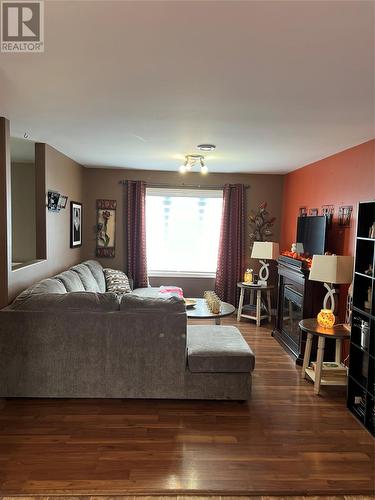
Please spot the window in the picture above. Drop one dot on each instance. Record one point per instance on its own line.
(183, 230)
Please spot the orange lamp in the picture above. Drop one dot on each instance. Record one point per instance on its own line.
(248, 276)
(326, 318)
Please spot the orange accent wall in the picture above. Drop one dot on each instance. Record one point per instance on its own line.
(342, 179)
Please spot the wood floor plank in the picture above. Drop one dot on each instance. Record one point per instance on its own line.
(283, 442)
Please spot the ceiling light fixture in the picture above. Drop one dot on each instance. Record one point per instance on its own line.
(191, 161)
(206, 147)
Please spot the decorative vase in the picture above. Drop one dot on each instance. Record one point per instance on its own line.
(326, 318)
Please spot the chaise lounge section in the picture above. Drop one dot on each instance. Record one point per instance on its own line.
(57, 341)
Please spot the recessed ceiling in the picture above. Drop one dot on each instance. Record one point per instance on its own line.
(275, 85)
(22, 150)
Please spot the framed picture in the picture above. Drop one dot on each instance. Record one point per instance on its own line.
(313, 212)
(53, 201)
(106, 228)
(75, 224)
(328, 210)
(302, 211)
(62, 201)
(345, 214)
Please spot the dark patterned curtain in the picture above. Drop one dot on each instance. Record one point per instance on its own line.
(136, 232)
(231, 260)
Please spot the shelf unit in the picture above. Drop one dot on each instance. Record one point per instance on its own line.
(361, 384)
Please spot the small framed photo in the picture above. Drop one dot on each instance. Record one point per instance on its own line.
(75, 224)
(328, 210)
(313, 212)
(62, 201)
(302, 211)
(345, 214)
(53, 201)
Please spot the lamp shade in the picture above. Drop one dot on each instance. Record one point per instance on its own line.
(265, 250)
(332, 269)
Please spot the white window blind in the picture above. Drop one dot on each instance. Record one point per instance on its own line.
(182, 230)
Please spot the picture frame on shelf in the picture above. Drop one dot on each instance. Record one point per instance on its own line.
(75, 224)
(302, 212)
(313, 212)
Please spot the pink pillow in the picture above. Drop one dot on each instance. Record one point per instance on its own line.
(172, 290)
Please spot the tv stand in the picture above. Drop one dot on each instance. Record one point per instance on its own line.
(298, 298)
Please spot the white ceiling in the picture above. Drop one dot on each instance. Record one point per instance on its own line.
(274, 84)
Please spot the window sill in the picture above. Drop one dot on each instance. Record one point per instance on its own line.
(180, 274)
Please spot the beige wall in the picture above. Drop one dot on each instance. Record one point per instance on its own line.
(23, 212)
(65, 176)
(105, 183)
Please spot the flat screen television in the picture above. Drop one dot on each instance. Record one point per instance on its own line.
(312, 232)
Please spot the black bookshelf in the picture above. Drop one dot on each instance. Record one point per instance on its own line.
(361, 384)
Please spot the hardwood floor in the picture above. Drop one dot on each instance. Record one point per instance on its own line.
(284, 441)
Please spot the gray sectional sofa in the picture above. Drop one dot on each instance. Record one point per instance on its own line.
(67, 337)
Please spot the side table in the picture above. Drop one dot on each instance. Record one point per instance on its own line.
(337, 332)
(258, 308)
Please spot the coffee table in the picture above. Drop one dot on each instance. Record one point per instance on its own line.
(202, 311)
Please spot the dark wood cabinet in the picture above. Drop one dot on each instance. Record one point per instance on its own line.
(298, 298)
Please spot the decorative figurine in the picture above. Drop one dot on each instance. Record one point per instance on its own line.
(371, 233)
(369, 299)
(369, 271)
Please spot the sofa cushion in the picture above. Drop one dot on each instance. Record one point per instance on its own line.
(97, 272)
(89, 282)
(131, 302)
(49, 285)
(71, 281)
(80, 301)
(46, 286)
(218, 349)
(116, 281)
(151, 291)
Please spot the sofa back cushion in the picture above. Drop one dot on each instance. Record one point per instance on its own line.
(46, 286)
(89, 282)
(97, 271)
(71, 281)
(78, 301)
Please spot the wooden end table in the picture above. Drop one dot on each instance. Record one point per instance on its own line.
(258, 308)
(337, 332)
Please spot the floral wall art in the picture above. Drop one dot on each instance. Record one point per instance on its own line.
(106, 228)
(261, 224)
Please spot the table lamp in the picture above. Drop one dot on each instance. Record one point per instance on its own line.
(330, 269)
(264, 250)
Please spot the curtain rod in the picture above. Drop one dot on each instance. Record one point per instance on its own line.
(183, 186)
